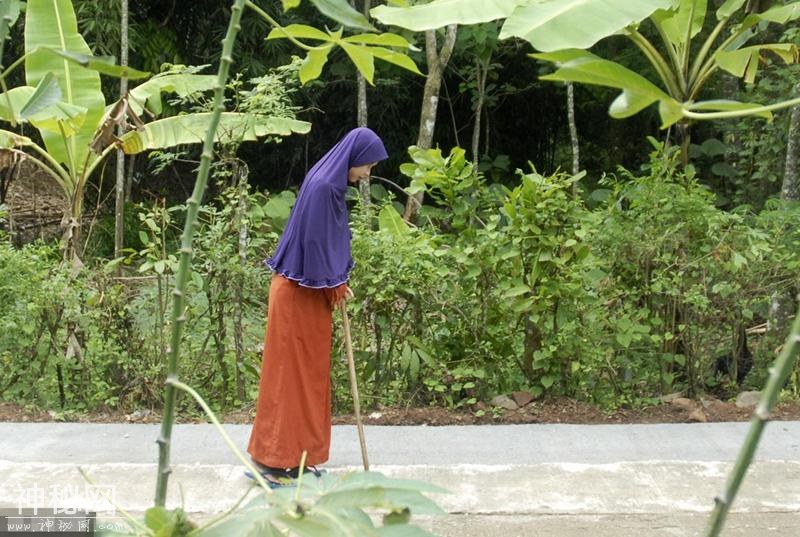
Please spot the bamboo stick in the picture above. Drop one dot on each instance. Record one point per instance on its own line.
(178, 316)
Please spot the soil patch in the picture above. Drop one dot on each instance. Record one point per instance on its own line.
(556, 410)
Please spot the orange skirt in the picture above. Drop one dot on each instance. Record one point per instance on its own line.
(293, 413)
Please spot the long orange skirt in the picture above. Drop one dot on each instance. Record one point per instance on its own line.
(294, 399)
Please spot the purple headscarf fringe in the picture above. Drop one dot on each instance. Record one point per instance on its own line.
(313, 284)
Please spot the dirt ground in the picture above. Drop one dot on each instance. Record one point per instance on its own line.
(557, 410)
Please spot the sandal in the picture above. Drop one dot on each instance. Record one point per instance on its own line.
(275, 477)
(317, 472)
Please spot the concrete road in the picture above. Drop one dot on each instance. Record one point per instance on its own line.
(520, 480)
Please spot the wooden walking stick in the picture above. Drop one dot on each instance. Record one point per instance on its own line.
(351, 366)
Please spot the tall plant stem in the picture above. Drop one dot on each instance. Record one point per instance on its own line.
(701, 56)
(178, 316)
(741, 113)
(673, 55)
(686, 50)
(657, 60)
(779, 372)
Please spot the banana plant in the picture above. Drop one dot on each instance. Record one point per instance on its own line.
(64, 102)
(562, 30)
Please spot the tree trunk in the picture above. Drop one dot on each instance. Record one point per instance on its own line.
(685, 135)
(790, 191)
(784, 305)
(362, 116)
(481, 74)
(71, 226)
(437, 62)
(119, 205)
(242, 172)
(573, 129)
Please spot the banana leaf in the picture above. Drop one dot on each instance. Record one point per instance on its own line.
(190, 129)
(52, 24)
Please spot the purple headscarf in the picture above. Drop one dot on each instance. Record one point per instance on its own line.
(314, 249)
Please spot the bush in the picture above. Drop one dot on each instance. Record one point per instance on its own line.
(498, 289)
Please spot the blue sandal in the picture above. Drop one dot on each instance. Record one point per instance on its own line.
(276, 478)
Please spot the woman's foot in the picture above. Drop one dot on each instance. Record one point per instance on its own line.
(275, 477)
(294, 472)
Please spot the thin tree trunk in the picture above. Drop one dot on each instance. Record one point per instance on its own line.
(437, 62)
(481, 74)
(573, 129)
(685, 135)
(784, 305)
(363, 186)
(129, 177)
(790, 191)
(119, 206)
(238, 325)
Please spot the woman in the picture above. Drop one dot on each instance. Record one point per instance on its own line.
(311, 268)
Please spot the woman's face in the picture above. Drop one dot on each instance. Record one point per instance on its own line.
(359, 173)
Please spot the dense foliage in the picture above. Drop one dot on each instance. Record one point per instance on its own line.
(614, 285)
(498, 289)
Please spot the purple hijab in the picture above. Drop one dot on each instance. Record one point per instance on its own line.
(314, 249)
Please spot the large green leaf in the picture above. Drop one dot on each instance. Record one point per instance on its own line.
(729, 8)
(744, 62)
(676, 23)
(60, 118)
(245, 522)
(313, 63)
(392, 223)
(52, 119)
(52, 24)
(552, 25)
(46, 93)
(629, 103)
(359, 49)
(190, 129)
(102, 64)
(342, 12)
(694, 9)
(440, 13)
(299, 31)
(781, 14)
(380, 497)
(361, 58)
(581, 66)
(16, 98)
(637, 92)
(316, 58)
(148, 94)
(394, 57)
(381, 40)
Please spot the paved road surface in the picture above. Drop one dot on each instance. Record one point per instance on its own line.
(517, 480)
